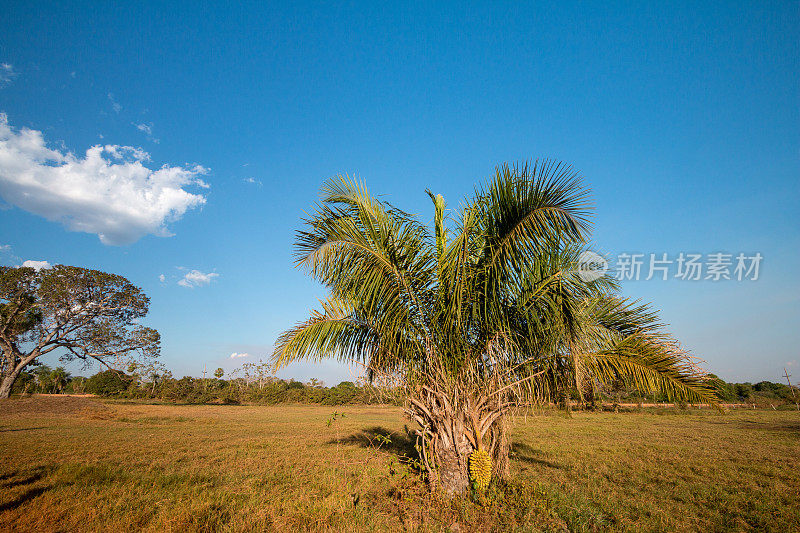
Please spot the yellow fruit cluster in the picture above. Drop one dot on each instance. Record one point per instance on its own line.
(480, 469)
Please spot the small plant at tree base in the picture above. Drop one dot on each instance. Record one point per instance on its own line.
(383, 439)
(414, 462)
(333, 418)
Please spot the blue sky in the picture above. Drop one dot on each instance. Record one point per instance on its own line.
(684, 120)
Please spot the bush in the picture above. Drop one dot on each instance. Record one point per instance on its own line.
(108, 383)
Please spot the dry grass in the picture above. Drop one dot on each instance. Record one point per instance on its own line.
(89, 467)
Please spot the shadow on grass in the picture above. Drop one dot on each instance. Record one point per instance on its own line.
(526, 454)
(9, 430)
(400, 443)
(782, 426)
(21, 479)
(22, 498)
(10, 481)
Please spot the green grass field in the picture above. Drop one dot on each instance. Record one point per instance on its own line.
(74, 464)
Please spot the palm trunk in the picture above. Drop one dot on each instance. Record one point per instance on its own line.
(453, 474)
(451, 428)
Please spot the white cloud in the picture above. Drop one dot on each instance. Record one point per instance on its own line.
(162, 278)
(146, 128)
(253, 181)
(195, 278)
(236, 355)
(37, 265)
(108, 192)
(7, 74)
(114, 104)
(5, 247)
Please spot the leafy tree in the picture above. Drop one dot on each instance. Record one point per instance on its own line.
(59, 378)
(485, 311)
(154, 372)
(86, 314)
(43, 376)
(218, 373)
(77, 384)
(25, 383)
(743, 391)
(108, 383)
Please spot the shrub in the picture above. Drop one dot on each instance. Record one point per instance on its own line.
(108, 383)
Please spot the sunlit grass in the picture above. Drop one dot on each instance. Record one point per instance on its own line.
(247, 468)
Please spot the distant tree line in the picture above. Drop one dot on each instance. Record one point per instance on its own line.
(763, 394)
(253, 384)
(251, 387)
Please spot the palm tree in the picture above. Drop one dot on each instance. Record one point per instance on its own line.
(59, 378)
(485, 313)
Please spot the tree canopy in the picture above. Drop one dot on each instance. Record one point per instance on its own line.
(80, 313)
